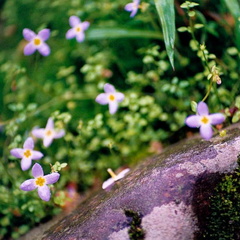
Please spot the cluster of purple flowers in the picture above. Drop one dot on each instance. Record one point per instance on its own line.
(27, 154)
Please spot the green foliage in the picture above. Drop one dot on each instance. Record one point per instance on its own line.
(224, 219)
(129, 53)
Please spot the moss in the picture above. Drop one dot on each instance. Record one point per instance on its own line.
(223, 220)
(136, 231)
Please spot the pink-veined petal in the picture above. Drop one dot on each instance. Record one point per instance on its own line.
(44, 193)
(108, 183)
(36, 155)
(44, 34)
(26, 163)
(102, 98)
(113, 106)
(70, 33)
(59, 134)
(38, 132)
(44, 49)
(193, 121)
(52, 178)
(74, 20)
(85, 25)
(109, 88)
(28, 144)
(202, 109)
(28, 34)
(17, 152)
(129, 7)
(206, 131)
(80, 36)
(47, 141)
(122, 174)
(50, 124)
(119, 96)
(216, 118)
(37, 170)
(29, 49)
(28, 185)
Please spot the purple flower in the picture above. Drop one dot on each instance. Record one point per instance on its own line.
(40, 182)
(48, 133)
(204, 120)
(108, 183)
(77, 29)
(132, 7)
(27, 154)
(36, 41)
(110, 97)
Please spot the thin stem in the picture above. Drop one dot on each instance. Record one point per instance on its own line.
(208, 92)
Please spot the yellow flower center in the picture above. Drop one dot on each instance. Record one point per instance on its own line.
(111, 98)
(40, 181)
(37, 41)
(205, 120)
(27, 153)
(48, 133)
(78, 29)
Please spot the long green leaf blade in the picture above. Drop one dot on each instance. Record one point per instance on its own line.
(166, 14)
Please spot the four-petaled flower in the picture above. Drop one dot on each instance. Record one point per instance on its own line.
(27, 154)
(114, 177)
(132, 7)
(36, 41)
(110, 97)
(40, 182)
(77, 29)
(204, 120)
(48, 133)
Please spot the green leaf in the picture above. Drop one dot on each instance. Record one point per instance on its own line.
(110, 33)
(166, 14)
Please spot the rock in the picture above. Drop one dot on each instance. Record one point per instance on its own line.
(165, 194)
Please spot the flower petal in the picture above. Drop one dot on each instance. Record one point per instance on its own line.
(74, 20)
(134, 12)
(17, 152)
(113, 106)
(44, 34)
(50, 124)
(28, 144)
(102, 98)
(202, 108)
(28, 34)
(59, 134)
(47, 141)
(129, 7)
(44, 193)
(38, 132)
(206, 131)
(119, 96)
(193, 121)
(70, 33)
(29, 49)
(37, 170)
(28, 185)
(216, 118)
(85, 25)
(80, 36)
(109, 88)
(36, 155)
(52, 178)
(44, 49)
(108, 183)
(26, 163)
(122, 174)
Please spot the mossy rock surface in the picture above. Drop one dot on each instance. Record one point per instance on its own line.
(166, 195)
